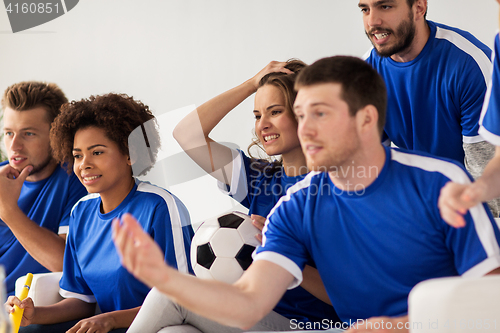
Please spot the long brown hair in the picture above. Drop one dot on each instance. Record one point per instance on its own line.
(285, 83)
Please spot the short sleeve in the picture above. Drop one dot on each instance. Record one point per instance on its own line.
(490, 115)
(72, 283)
(281, 243)
(76, 192)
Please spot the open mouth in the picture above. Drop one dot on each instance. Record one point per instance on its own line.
(88, 179)
(271, 137)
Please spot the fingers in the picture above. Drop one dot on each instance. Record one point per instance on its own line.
(258, 221)
(9, 172)
(452, 205)
(25, 173)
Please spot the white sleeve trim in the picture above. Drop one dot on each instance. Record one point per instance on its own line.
(468, 47)
(238, 178)
(176, 222)
(81, 297)
(484, 267)
(367, 54)
(63, 230)
(283, 262)
(488, 136)
(482, 222)
(472, 139)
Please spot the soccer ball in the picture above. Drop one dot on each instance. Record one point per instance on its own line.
(222, 247)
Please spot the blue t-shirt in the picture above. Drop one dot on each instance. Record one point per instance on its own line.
(373, 246)
(257, 186)
(92, 270)
(48, 203)
(435, 100)
(490, 116)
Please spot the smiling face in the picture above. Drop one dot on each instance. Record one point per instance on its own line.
(26, 138)
(389, 24)
(101, 166)
(327, 131)
(274, 124)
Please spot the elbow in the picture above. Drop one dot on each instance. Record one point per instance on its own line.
(250, 318)
(177, 133)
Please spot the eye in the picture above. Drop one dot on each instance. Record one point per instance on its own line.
(97, 152)
(29, 134)
(275, 112)
(8, 134)
(257, 117)
(385, 7)
(77, 156)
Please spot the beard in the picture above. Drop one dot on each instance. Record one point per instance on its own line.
(41, 166)
(405, 33)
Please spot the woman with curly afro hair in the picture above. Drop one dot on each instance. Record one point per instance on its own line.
(107, 140)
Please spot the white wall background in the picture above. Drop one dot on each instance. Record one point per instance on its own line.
(176, 53)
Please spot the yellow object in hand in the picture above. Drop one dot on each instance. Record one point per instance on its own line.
(17, 315)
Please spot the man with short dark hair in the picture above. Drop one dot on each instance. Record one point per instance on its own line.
(436, 79)
(367, 215)
(36, 194)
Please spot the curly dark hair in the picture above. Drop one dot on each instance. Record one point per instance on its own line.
(127, 122)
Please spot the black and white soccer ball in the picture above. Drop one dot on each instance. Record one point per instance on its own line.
(222, 247)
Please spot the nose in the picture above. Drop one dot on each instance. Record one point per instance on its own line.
(263, 123)
(306, 128)
(85, 163)
(372, 19)
(15, 143)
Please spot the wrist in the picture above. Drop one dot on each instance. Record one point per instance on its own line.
(9, 213)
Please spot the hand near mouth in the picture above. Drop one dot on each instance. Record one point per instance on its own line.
(11, 182)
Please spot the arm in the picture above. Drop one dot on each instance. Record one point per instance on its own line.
(193, 131)
(456, 199)
(477, 157)
(106, 322)
(65, 310)
(42, 244)
(242, 304)
(311, 279)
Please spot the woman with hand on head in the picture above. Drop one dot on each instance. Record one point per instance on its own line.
(258, 184)
(94, 137)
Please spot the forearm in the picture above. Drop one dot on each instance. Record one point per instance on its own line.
(122, 318)
(481, 163)
(65, 310)
(42, 244)
(223, 303)
(490, 179)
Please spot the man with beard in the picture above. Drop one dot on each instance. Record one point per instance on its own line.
(36, 194)
(436, 77)
(366, 214)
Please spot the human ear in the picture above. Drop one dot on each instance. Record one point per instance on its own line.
(367, 118)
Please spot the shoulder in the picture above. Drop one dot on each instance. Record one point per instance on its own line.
(430, 166)
(85, 202)
(311, 184)
(463, 43)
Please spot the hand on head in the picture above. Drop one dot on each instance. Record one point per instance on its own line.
(272, 67)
